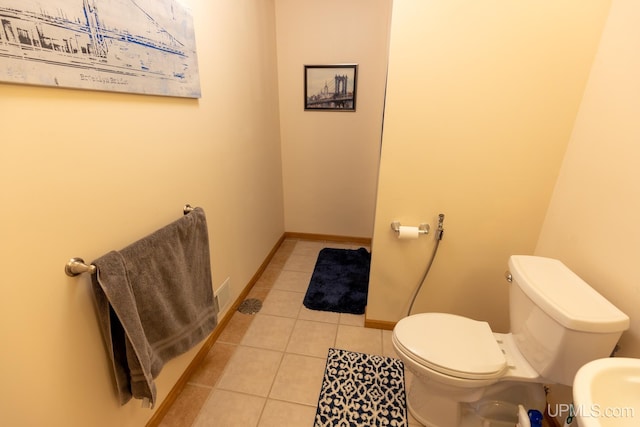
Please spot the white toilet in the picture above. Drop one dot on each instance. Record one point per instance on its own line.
(463, 371)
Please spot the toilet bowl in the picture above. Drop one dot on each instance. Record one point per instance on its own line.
(464, 373)
(459, 370)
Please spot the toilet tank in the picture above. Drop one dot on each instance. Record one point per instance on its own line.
(558, 321)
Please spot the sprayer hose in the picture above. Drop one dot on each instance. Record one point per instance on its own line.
(424, 276)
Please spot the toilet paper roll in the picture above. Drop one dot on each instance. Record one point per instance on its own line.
(408, 233)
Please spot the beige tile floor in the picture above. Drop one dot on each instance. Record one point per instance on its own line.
(266, 369)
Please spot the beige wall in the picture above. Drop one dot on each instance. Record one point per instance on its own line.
(330, 159)
(592, 222)
(481, 104)
(481, 100)
(84, 172)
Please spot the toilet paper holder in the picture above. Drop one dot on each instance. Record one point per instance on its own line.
(422, 228)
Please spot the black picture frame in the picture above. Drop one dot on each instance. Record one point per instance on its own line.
(330, 87)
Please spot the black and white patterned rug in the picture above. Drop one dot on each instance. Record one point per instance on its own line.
(362, 390)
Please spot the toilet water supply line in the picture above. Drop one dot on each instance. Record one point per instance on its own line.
(439, 233)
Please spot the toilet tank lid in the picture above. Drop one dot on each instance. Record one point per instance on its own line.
(564, 296)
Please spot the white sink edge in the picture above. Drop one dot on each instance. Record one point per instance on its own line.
(583, 389)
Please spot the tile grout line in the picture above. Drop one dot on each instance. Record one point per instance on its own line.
(269, 287)
(273, 381)
(215, 386)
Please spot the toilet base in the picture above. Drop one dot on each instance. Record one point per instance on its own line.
(432, 409)
(497, 408)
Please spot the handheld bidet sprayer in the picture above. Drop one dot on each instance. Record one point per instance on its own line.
(440, 230)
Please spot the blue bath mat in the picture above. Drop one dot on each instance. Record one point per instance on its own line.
(362, 390)
(340, 281)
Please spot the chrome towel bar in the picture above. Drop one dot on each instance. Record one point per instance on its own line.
(77, 266)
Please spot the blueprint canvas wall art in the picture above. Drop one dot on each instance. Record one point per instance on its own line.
(135, 46)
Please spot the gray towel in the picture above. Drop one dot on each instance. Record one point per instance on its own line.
(155, 301)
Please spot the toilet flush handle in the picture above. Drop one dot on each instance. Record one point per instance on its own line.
(507, 275)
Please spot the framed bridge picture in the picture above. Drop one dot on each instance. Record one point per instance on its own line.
(330, 87)
(134, 46)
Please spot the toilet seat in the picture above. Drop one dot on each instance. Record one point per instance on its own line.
(452, 345)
